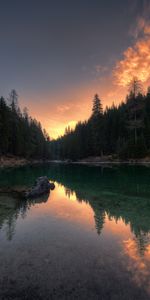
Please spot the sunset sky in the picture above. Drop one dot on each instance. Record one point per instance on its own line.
(58, 54)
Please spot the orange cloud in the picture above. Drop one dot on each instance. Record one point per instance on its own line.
(136, 60)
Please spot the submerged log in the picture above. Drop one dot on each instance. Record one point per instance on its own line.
(42, 186)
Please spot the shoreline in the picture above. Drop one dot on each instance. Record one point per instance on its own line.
(103, 163)
(13, 162)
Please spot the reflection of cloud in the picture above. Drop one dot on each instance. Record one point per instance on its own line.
(136, 61)
(138, 265)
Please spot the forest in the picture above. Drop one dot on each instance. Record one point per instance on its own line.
(122, 131)
(20, 135)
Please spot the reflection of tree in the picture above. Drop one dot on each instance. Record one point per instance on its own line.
(134, 213)
(25, 205)
(11, 208)
(68, 192)
(99, 214)
(8, 215)
(113, 192)
(10, 227)
(120, 192)
(142, 240)
(99, 220)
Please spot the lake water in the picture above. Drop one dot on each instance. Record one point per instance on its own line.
(88, 239)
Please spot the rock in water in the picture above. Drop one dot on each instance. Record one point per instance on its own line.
(41, 187)
(52, 186)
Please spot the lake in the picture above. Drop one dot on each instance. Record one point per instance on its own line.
(88, 239)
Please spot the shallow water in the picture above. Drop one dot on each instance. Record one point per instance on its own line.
(88, 239)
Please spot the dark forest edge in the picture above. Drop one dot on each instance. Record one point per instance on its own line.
(118, 133)
(20, 135)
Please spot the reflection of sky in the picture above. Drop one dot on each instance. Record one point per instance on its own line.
(136, 261)
(64, 222)
(137, 265)
(58, 54)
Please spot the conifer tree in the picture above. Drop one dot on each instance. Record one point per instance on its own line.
(97, 109)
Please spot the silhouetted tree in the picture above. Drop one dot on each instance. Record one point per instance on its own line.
(97, 109)
(19, 133)
(96, 122)
(123, 130)
(135, 87)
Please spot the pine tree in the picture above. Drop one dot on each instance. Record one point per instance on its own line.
(135, 105)
(13, 100)
(19, 134)
(97, 126)
(97, 109)
(135, 87)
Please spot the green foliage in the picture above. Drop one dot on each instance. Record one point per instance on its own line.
(20, 134)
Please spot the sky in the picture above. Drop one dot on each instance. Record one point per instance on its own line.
(58, 54)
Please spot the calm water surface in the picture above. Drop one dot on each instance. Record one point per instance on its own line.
(88, 239)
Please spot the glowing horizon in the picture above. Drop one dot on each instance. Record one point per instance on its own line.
(57, 73)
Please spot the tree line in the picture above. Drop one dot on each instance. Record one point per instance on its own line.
(20, 135)
(120, 130)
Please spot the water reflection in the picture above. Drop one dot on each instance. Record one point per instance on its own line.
(131, 210)
(11, 208)
(138, 261)
(120, 193)
(115, 202)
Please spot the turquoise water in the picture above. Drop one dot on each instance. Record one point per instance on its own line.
(87, 239)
